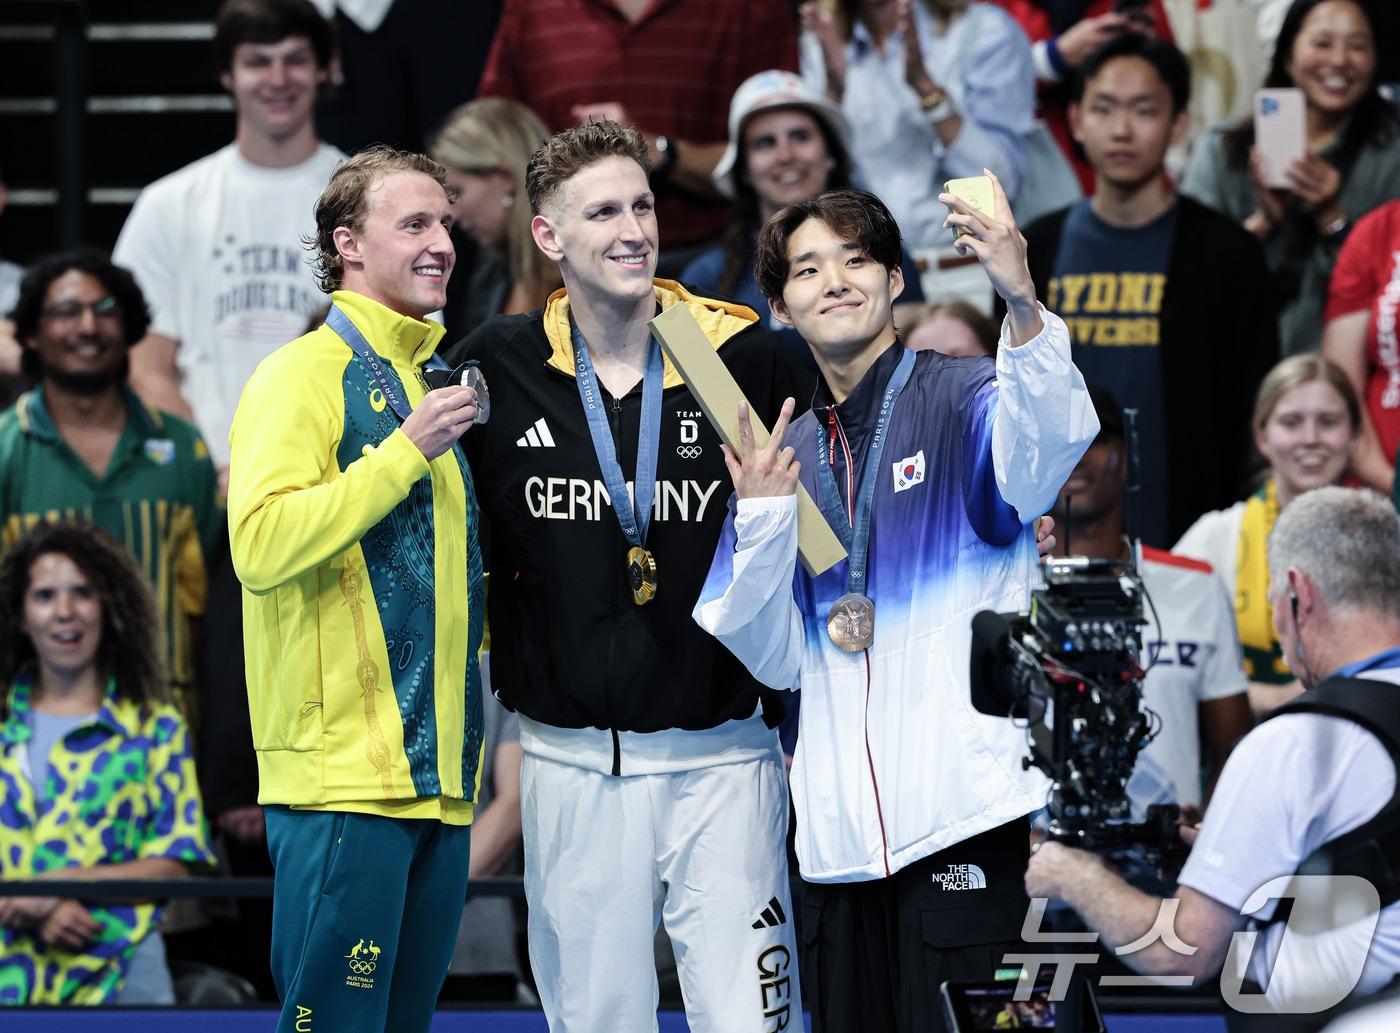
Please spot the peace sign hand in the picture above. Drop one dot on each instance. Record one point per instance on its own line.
(767, 472)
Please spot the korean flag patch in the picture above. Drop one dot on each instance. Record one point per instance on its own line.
(909, 472)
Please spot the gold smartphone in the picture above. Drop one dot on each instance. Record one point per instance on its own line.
(977, 191)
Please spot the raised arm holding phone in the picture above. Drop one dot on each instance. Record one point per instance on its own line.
(923, 466)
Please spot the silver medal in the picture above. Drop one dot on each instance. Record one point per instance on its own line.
(473, 378)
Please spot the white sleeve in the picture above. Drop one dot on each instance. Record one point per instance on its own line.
(1040, 57)
(1044, 420)
(747, 600)
(1223, 673)
(1209, 539)
(998, 105)
(146, 248)
(811, 62)
(1251, 816)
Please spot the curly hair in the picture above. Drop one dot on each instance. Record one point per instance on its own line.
(34, 290)
(345, 202)
(128, 651)
(566, 154)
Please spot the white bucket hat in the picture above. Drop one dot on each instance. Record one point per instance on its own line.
(763, 92)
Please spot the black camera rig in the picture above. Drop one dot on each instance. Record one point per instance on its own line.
(1070, 669)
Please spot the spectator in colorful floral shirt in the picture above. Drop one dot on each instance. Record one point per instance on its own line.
(96, 776)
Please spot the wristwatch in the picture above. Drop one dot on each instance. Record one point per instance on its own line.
(1336, 231)
(666, 151)
(936, 105)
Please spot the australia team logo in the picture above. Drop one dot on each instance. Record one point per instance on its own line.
(909, 472)
(362, 961)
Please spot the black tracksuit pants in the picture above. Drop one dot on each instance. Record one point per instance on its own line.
(875, 953)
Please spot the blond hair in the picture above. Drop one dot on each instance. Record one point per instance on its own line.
(495, 134)
(1295, 371)
(345, 201)
(565, 154)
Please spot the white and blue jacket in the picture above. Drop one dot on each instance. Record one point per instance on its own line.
(892, 762)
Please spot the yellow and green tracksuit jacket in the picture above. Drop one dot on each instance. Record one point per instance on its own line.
(362, 582)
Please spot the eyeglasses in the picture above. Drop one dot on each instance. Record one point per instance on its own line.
(68, 311)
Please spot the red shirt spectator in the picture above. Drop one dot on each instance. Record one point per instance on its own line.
(1361, 336)
(672, 67)
(1058, 54)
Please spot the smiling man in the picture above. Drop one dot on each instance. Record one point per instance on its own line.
(82, 444)
(354, 530)
(216, 246)
(911, 809)
(1170, 306)
(652, 783)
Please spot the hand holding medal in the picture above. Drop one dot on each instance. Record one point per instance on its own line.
(766, 472)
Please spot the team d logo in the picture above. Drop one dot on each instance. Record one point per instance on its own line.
(362, 960)
(909, 472)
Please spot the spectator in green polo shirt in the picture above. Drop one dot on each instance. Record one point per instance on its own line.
(83, 445)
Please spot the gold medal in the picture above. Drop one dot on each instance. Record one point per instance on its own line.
(641, 575)
(851, 622)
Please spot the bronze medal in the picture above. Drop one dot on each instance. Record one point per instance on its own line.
(851, 622)
(641, 575)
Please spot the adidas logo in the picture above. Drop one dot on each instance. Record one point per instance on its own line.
(537, 436)
(961, 877)
(772, 916)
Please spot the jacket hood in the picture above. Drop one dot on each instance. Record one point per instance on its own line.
(720, 320)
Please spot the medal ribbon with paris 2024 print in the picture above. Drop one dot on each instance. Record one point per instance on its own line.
(851, 621)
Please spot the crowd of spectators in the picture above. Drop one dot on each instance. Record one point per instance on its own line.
(1252, 329)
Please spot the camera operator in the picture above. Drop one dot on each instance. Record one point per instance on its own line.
(1299, 780)
(1195, 681)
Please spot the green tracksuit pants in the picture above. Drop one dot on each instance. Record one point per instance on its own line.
(365, 915)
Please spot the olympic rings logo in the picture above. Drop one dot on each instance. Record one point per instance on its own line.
(688, 451)
(362, 968)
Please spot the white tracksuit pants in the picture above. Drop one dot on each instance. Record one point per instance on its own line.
(607, 857)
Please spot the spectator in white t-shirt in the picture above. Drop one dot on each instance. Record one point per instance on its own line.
(1195, 675)
(1298, 781)
(217, 246)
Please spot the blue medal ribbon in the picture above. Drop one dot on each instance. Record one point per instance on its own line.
(350, 334)
(634, 521)
(854, 531)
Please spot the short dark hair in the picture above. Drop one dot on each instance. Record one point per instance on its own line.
(853, 215)
(128, 652)
(563, 155)
(34, 288)
(270, 21)
(1170, 63)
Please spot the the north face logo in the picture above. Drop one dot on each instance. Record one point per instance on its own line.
(961, 877)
